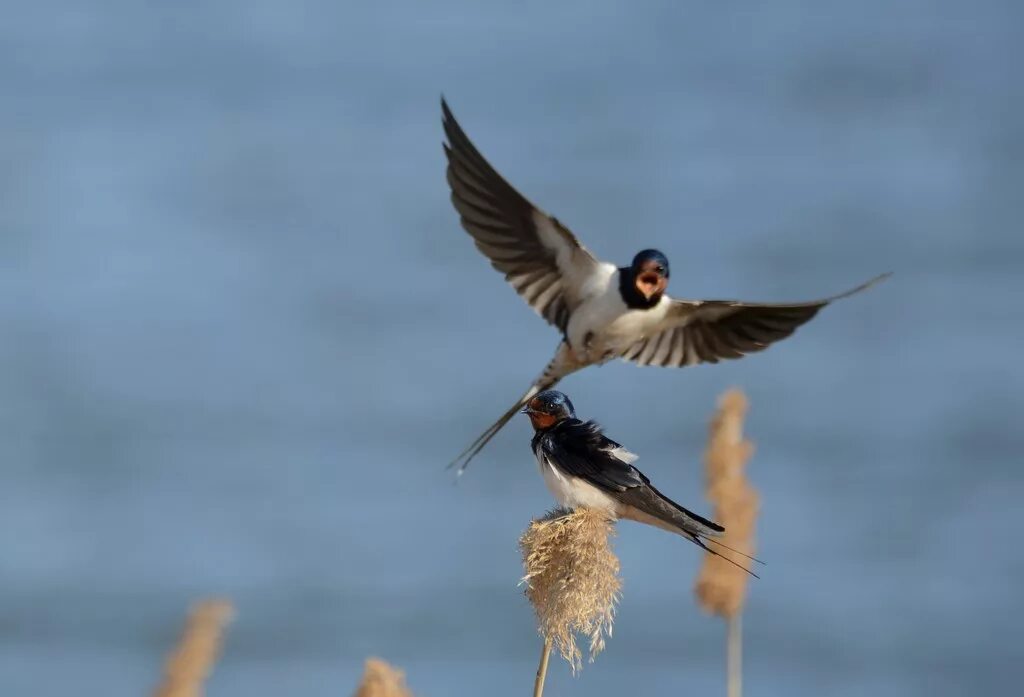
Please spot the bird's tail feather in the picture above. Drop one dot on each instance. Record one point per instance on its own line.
(863, 286)
(700, 543)
(664, 508)
(561, 365)
(735, 551)
(648, 505)
(473, 449)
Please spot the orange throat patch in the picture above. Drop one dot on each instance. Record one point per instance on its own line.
(541, 421)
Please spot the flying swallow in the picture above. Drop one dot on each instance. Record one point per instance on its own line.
(582, 467)
(602, 311)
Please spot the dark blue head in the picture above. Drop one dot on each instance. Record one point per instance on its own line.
(548, 408)
(650, 273)
(653, 259)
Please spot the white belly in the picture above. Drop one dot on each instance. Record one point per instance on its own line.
(603, 327)
(573, 492)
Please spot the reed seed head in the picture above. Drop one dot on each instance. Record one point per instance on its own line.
(572, 579)
(192, 659)
(721, 587)
(380, 679)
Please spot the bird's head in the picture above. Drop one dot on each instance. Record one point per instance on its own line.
(650, 273)
(548, 408)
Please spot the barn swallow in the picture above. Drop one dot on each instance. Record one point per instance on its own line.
(602, 311)
(582, 467)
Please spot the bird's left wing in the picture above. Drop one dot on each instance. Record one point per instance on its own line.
(707, 331)
(538, 255)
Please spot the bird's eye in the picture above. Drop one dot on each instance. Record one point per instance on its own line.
(661, 269)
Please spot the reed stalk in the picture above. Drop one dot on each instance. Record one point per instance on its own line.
(542, 669)
(734, 656)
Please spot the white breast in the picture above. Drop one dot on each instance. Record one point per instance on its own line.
(572, 492)
(611, 326)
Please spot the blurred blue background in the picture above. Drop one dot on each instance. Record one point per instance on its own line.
(242, 333)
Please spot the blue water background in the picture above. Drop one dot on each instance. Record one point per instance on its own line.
(241, 333)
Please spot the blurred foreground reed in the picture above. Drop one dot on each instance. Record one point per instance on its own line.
(721, 587)
(191, 661)
(381, 679)
(195, 654)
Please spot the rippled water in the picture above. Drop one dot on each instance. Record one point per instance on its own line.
(242, 333)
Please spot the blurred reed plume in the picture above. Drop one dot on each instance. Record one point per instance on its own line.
(572, 580)
(380, 679)
(721, 587)
(192, 659)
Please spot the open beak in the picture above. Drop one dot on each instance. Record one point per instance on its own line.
(648, 283)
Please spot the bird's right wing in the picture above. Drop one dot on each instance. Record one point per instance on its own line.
(539, 256)
(582, 450)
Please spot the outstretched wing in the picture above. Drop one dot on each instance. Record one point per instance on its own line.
(707, 331)
(539, 256)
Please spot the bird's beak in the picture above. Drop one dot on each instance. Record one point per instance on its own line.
(648, 283)
(526, 410)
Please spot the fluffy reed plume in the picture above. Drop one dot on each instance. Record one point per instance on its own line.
(721, 588)
(193, 658)
(380, 679)
(572, 580)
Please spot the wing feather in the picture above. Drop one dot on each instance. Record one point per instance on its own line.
(707, 331)
(539, 256)
(580, 449)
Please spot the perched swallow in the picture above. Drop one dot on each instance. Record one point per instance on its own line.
(584, 468)
(603, 312)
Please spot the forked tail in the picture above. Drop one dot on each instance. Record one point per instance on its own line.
(560, 366)
(471, 451)
(700, 542)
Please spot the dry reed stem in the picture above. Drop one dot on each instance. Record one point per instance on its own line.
(192, 659)
(572, 579)
(734, 656)
(721, 587)
(380, 679)
(542, 669)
